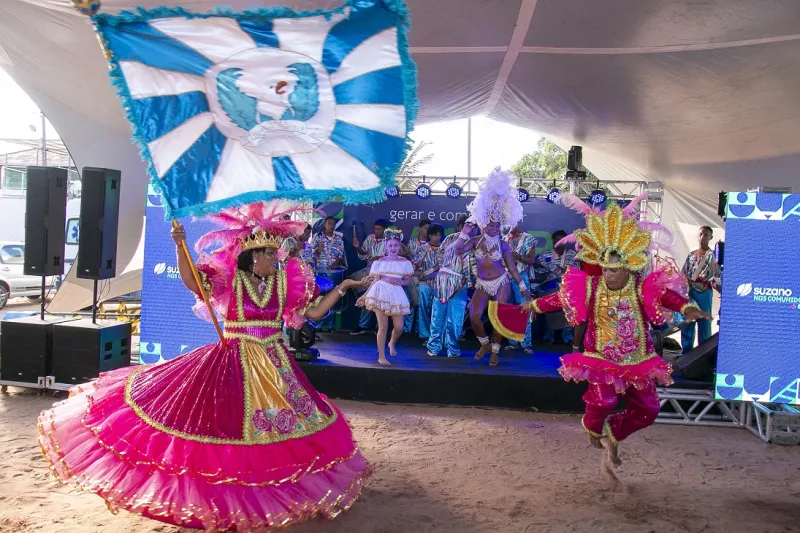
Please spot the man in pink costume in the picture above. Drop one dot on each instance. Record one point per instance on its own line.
(612, 314)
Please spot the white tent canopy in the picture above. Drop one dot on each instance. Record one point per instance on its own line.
(700, 94)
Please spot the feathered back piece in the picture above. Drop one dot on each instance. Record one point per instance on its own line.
(243, 224)
(496, 201)
(661, 238)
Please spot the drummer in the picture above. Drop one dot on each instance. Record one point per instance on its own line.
(298, 247)
(549, 268)
(331, 260)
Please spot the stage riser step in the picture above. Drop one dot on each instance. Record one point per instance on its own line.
(445, 388)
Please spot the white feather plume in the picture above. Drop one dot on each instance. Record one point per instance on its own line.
(496, 201)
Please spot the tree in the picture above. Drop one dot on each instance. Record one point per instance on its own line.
(415, 160)
(547, 162)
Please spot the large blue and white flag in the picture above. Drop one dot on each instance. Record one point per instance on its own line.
(235, 107)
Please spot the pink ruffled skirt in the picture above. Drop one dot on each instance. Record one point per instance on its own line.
(578, 367)
(219, 439)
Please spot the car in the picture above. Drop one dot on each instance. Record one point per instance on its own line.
(13, 282)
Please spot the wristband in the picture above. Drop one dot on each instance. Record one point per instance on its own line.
(340, 291)
(463, 236)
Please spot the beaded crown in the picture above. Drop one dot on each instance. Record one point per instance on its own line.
(393, 234)
(260, 239)
(612, 233)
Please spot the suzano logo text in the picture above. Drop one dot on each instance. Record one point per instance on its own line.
(767, 294)
(171, 271)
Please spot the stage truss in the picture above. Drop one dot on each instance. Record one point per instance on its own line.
(690, 407)
(776, 424)
(615, 190)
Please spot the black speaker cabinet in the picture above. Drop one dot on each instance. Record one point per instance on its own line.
(700, 363)
(97, 251)
(26, 348)
(45, 218)
(82, 350)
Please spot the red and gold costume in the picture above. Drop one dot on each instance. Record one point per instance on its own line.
(618, 355)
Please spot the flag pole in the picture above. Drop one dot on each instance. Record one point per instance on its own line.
(200, 286)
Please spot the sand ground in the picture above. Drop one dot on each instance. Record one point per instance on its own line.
(448, 469)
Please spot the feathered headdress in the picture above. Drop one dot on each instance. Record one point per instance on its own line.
(612, 233)
(661, 238)
(496, 201)
(258, 225)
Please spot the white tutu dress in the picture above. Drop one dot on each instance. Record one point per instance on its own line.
(383, 296)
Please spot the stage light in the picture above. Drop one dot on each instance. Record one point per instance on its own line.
(553, 195)
(392, 192)
(423, 191)
(522, 195)
(597, 198)
(453, 191)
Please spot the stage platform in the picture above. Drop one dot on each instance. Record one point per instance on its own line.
(348, 369)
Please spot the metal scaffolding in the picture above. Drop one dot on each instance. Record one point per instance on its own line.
(615, 190)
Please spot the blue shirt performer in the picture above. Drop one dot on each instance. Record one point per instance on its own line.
(450, 295)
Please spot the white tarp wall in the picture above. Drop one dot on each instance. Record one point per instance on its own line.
(700, 94)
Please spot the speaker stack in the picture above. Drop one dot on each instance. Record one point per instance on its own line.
(56, 352)
(26, 344)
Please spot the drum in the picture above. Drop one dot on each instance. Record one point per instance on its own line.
(332, 277)
(358, 276)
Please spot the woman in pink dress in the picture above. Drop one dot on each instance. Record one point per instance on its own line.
(231, 436)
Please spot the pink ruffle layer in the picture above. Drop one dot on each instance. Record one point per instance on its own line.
(578, 367)
(95, 440)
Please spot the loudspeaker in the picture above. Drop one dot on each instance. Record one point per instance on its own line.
(722, 204)
(97, 251)
(82, 349)
(45, 221)
(699, 364)
(26, 345)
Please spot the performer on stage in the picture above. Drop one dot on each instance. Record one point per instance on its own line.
(615, 309)
(230, 436)
(412, 252)
(331, 261)
(523, 250)
(550, 267)
(373, 248)
(496, 206)
(386, 297)
(297, 246)
(450, 291)
(429, 259)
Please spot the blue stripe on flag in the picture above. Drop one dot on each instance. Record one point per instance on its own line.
(287, 178)
(260, 31)
(351, 32)
(372, 148)
(187, 181)
(376, 87)
(143, 43)
(158, 115)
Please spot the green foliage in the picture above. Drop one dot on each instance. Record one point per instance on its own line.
(415, 160)
(547, 162)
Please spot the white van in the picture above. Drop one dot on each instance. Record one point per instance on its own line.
(13, 282)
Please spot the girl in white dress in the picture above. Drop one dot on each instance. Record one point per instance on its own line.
(386, 297)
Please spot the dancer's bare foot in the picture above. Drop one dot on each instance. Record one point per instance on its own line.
(392, 350)
(495, 359)
(611, 450)
(384, 362)
(485, 348)
(595, 442)
(616, 484)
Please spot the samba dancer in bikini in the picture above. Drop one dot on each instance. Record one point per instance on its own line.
(496, 206)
